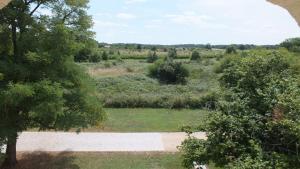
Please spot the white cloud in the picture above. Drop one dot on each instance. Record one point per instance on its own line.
(125, 16)
(134, 1)
(194, 19)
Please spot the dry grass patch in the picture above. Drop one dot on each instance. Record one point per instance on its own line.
(109, 72)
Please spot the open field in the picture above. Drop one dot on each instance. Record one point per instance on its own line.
(100, 161)
(125, 84)
(151, 120)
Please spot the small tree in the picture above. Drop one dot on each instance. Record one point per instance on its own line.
(152, 57)
(83, 55)
(139, 47)
(208, 46)
(104, 55)
(231, 50)
(172, 53)
(154, 48)
(169, 72)
(195, 55)
(95, 57)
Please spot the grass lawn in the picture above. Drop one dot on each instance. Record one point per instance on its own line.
(100, 161)
(151, 120)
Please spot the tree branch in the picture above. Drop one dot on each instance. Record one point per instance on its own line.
(37, 6)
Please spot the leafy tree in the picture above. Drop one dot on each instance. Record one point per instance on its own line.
(231, 50)
(172, 54)
(169, 72)
(292, 44)
(258, 124)
(139, 47)
(208, 46)
(195, 55)
(154, 48)
(104, 55)
(41, 86)
(152, 57)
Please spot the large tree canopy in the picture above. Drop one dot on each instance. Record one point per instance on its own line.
(40, 85)
(258, 125)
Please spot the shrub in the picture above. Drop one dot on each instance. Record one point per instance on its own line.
(95, 57)
(169, 72)
(195, 55)
(152, 57)
(172, 53)
(107, 65)
(231, 50)
(146, 101)
(83, 55)
(104, 55)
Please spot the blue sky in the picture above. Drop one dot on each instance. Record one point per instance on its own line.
(191, 21)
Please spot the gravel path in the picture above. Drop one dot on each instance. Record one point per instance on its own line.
(101, 142)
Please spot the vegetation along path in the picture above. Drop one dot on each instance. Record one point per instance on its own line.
(101, 142)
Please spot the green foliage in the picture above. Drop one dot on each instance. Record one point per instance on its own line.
(105, 56)
(139, 47)
(152, 57)
(41, 86)
(231, 50)
(172, 54)
(208, 46)
(83, 55)
(130, 90)
(292, 45)
(169, 72)
(195, 55)
(95, 57)
(259, 120)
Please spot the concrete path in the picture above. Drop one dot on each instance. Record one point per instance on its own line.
(101, 142)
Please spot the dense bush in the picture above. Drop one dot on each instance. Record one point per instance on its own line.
(195, 55)
(83, 55)
(258, 122)
(152, 57)
(105, 55)
(95, 57)
(169, 72)
(172, 53)
(231, 50)
(160, 101)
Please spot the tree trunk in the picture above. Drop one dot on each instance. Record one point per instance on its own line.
(11, 154)
(14, 40)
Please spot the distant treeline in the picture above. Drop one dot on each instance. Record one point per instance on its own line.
(186, 46)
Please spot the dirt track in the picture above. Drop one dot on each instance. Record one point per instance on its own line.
(101, 142)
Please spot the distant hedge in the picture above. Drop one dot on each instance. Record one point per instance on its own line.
(208, 101)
